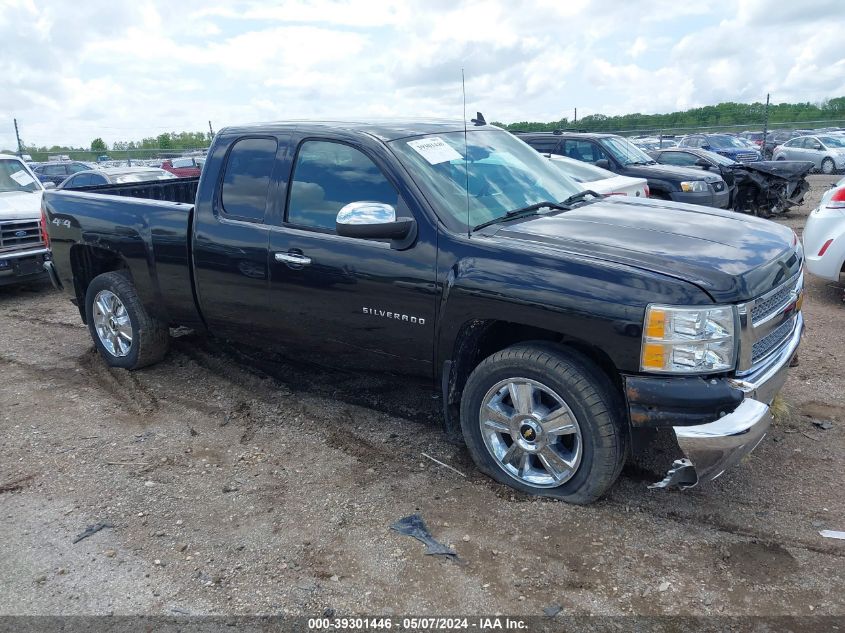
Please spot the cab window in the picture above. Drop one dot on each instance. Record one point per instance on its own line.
(328, 176)
(246, 179)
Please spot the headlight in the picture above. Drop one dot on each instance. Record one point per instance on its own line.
(694, 186)
(688, 340)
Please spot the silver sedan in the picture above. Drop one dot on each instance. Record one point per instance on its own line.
(825, 151)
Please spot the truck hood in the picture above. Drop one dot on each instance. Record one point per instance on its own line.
(20, 205)
(732, 257)
(672, 172)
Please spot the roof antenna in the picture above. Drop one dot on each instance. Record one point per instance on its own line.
(479, 118)
(466, 146)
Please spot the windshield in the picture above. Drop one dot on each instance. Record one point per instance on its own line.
(15, 177)
(504, 174)
(720, 140)
(624, 151)
(580, 171)
(832, 141)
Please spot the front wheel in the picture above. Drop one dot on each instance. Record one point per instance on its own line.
(827, 166)
(546, 421)
(125, 334)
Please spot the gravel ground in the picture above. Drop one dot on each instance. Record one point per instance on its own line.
(235, 488)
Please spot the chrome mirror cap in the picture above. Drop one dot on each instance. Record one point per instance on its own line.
(362, 213)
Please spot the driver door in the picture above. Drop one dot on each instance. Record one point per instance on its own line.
(352, 302)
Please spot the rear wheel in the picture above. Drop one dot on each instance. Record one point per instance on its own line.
(544, 420)
(828, 166)
(125, 334)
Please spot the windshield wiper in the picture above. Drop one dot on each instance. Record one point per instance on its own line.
(577, 197)
(566, 205)
(526, 211)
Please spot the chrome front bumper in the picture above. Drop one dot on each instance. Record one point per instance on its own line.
(714, 447)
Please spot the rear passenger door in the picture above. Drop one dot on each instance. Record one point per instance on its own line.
(230, 243)
(348, 301)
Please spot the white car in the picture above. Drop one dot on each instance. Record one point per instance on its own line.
(23, 249)
(600, 180)
(825, 151)
(824, 235)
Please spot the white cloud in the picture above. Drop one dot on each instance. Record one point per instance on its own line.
(73, 71)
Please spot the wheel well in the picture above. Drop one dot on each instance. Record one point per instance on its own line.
(479, 339)
(86, 263)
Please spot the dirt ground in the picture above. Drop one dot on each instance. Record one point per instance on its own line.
(235, 489)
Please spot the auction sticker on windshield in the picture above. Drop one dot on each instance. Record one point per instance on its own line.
(22, 178)
(434, 149)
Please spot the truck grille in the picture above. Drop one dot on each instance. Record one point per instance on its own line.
(772, 304)
(772, 340)
(771, 322)
(746, 157)
(20, 234)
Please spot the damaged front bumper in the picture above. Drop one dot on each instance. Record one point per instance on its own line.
(713, 447)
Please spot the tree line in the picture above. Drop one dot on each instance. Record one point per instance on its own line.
(722, 115)
(146, 147)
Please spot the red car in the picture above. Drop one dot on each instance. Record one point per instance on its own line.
(182, 167)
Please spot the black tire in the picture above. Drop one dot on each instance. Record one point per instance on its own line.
(590, 396)
(150, 336)
(831, 167)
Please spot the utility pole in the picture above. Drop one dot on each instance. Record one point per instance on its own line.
(765, 125)
(575, 122)
(18, 136)
(210, 129)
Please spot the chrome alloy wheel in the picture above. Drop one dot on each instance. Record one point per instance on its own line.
(531, 432)
(111, 320)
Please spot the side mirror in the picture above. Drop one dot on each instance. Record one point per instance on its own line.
(603, 163)
(372, 221)
(706, 146)
(702, 163)
(48, 184)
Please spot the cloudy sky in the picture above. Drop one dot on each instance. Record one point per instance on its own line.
(73, 70)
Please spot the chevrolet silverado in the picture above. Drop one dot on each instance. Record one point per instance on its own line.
(556, 325)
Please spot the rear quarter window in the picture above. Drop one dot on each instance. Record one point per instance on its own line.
(246, 178)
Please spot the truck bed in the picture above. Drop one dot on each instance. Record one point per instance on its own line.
(143, 228)
(175, 190)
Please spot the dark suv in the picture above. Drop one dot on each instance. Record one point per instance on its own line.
(723, 144)
(620, 156)
(57, 172)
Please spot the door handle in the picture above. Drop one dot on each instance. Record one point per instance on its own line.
(293, 258)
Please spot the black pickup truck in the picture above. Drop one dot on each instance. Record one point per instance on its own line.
(557, 326)
(619, 155)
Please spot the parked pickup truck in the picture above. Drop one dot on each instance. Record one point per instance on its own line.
(23, 250)
(557, 327)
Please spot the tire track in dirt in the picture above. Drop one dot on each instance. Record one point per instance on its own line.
(122, 385)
